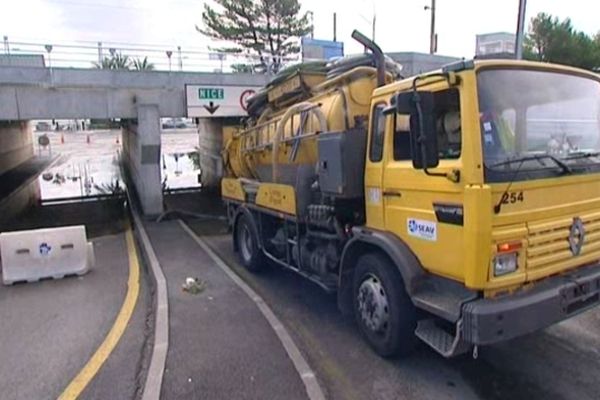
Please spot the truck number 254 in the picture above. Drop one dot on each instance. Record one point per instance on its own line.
(511, 198)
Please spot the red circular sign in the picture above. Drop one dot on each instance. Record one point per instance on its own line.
(244, 98)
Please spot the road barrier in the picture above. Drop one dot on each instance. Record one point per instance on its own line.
(45, 253)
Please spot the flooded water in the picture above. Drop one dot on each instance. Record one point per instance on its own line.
(88, 163)
(180, 163)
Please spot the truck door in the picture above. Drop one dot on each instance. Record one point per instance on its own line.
(427, 211)
(374, 167)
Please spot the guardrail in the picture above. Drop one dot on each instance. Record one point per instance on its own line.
(93, 54)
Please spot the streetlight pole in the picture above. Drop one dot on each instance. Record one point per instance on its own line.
(432, 35)
(312, 24)
(520, 29)
(373, 25)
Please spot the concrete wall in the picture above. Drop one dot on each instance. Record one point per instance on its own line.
(141, 155)
(210, 143)
(16, 144)
(18, 201)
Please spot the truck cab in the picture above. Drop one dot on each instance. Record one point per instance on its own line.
(489, 173)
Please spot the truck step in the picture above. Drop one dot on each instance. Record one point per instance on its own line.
(442, 297)
(440, 340)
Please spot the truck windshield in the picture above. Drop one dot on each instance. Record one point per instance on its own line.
(538, 124)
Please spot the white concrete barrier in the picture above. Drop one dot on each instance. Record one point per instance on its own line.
(45, 253)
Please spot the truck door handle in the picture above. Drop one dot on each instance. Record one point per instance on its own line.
(392, 193)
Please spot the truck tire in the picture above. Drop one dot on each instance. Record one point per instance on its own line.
(384, 313)
(249, 251)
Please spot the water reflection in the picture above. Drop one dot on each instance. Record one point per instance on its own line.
(180, 170)
(77, 177)
(89, 163)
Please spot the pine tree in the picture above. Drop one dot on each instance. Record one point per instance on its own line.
(259, 28)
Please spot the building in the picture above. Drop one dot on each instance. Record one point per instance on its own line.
(495, 43)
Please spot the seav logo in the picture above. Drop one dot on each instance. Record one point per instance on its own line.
(422, 229)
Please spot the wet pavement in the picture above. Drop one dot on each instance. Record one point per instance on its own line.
(220, 346)
(50, 329)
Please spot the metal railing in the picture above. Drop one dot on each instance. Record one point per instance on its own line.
(161, 57)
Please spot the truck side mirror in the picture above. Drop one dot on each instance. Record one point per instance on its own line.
(420, 106)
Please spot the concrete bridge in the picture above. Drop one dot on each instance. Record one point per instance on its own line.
(138, 98)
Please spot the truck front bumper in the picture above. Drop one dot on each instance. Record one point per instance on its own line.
(487, 321)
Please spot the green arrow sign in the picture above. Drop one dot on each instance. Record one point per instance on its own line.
(211, 93)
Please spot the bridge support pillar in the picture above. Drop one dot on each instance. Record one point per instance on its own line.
(141, 155)
(16, 144)
(210, 144)
(16, 147)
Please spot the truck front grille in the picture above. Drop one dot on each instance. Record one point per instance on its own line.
(549, 250)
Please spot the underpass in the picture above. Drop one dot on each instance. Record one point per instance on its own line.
(221, 343)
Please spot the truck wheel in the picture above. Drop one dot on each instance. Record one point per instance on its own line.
(247, 242)
(384, 313)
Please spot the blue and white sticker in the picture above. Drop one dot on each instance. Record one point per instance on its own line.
(422, 229)
(45, 249)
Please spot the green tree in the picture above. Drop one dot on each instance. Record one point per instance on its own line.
(259, 27)
(142, 64)
(115, 61)
(552, 40)
(242, 68)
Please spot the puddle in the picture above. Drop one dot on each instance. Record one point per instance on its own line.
(88, 165)
(180, 170)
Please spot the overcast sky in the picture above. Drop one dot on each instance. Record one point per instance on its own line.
(401, 25)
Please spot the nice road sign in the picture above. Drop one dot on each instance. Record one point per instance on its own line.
(206, 101)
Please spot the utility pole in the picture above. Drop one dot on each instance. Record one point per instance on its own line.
(100, 53)
(520, 29)
(374, 19)
(180, 58)
(432, 35)
(334, 27)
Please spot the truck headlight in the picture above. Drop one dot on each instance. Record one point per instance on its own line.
(505, 263)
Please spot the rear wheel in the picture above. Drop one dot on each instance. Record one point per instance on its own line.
(249, 251)
(384, 313)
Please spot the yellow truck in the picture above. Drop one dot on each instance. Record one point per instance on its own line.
(460, 207)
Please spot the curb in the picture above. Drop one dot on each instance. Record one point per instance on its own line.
(153, 385)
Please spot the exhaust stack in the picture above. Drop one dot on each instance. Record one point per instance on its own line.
(376, 50)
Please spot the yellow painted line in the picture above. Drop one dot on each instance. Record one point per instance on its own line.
(85, 376)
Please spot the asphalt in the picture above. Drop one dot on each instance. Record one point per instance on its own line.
(220, 345)
(561, 362)
(50, 329)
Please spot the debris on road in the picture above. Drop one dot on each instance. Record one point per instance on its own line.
(193, 285)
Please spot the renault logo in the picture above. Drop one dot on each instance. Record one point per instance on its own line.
(576, 236)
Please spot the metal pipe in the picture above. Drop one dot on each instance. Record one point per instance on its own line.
(335, 27)
(376, 50)
(520, 29)
(432, 34)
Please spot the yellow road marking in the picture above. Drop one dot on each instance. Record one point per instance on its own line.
(85, 376)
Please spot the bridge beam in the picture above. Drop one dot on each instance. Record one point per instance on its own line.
(141, 155)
